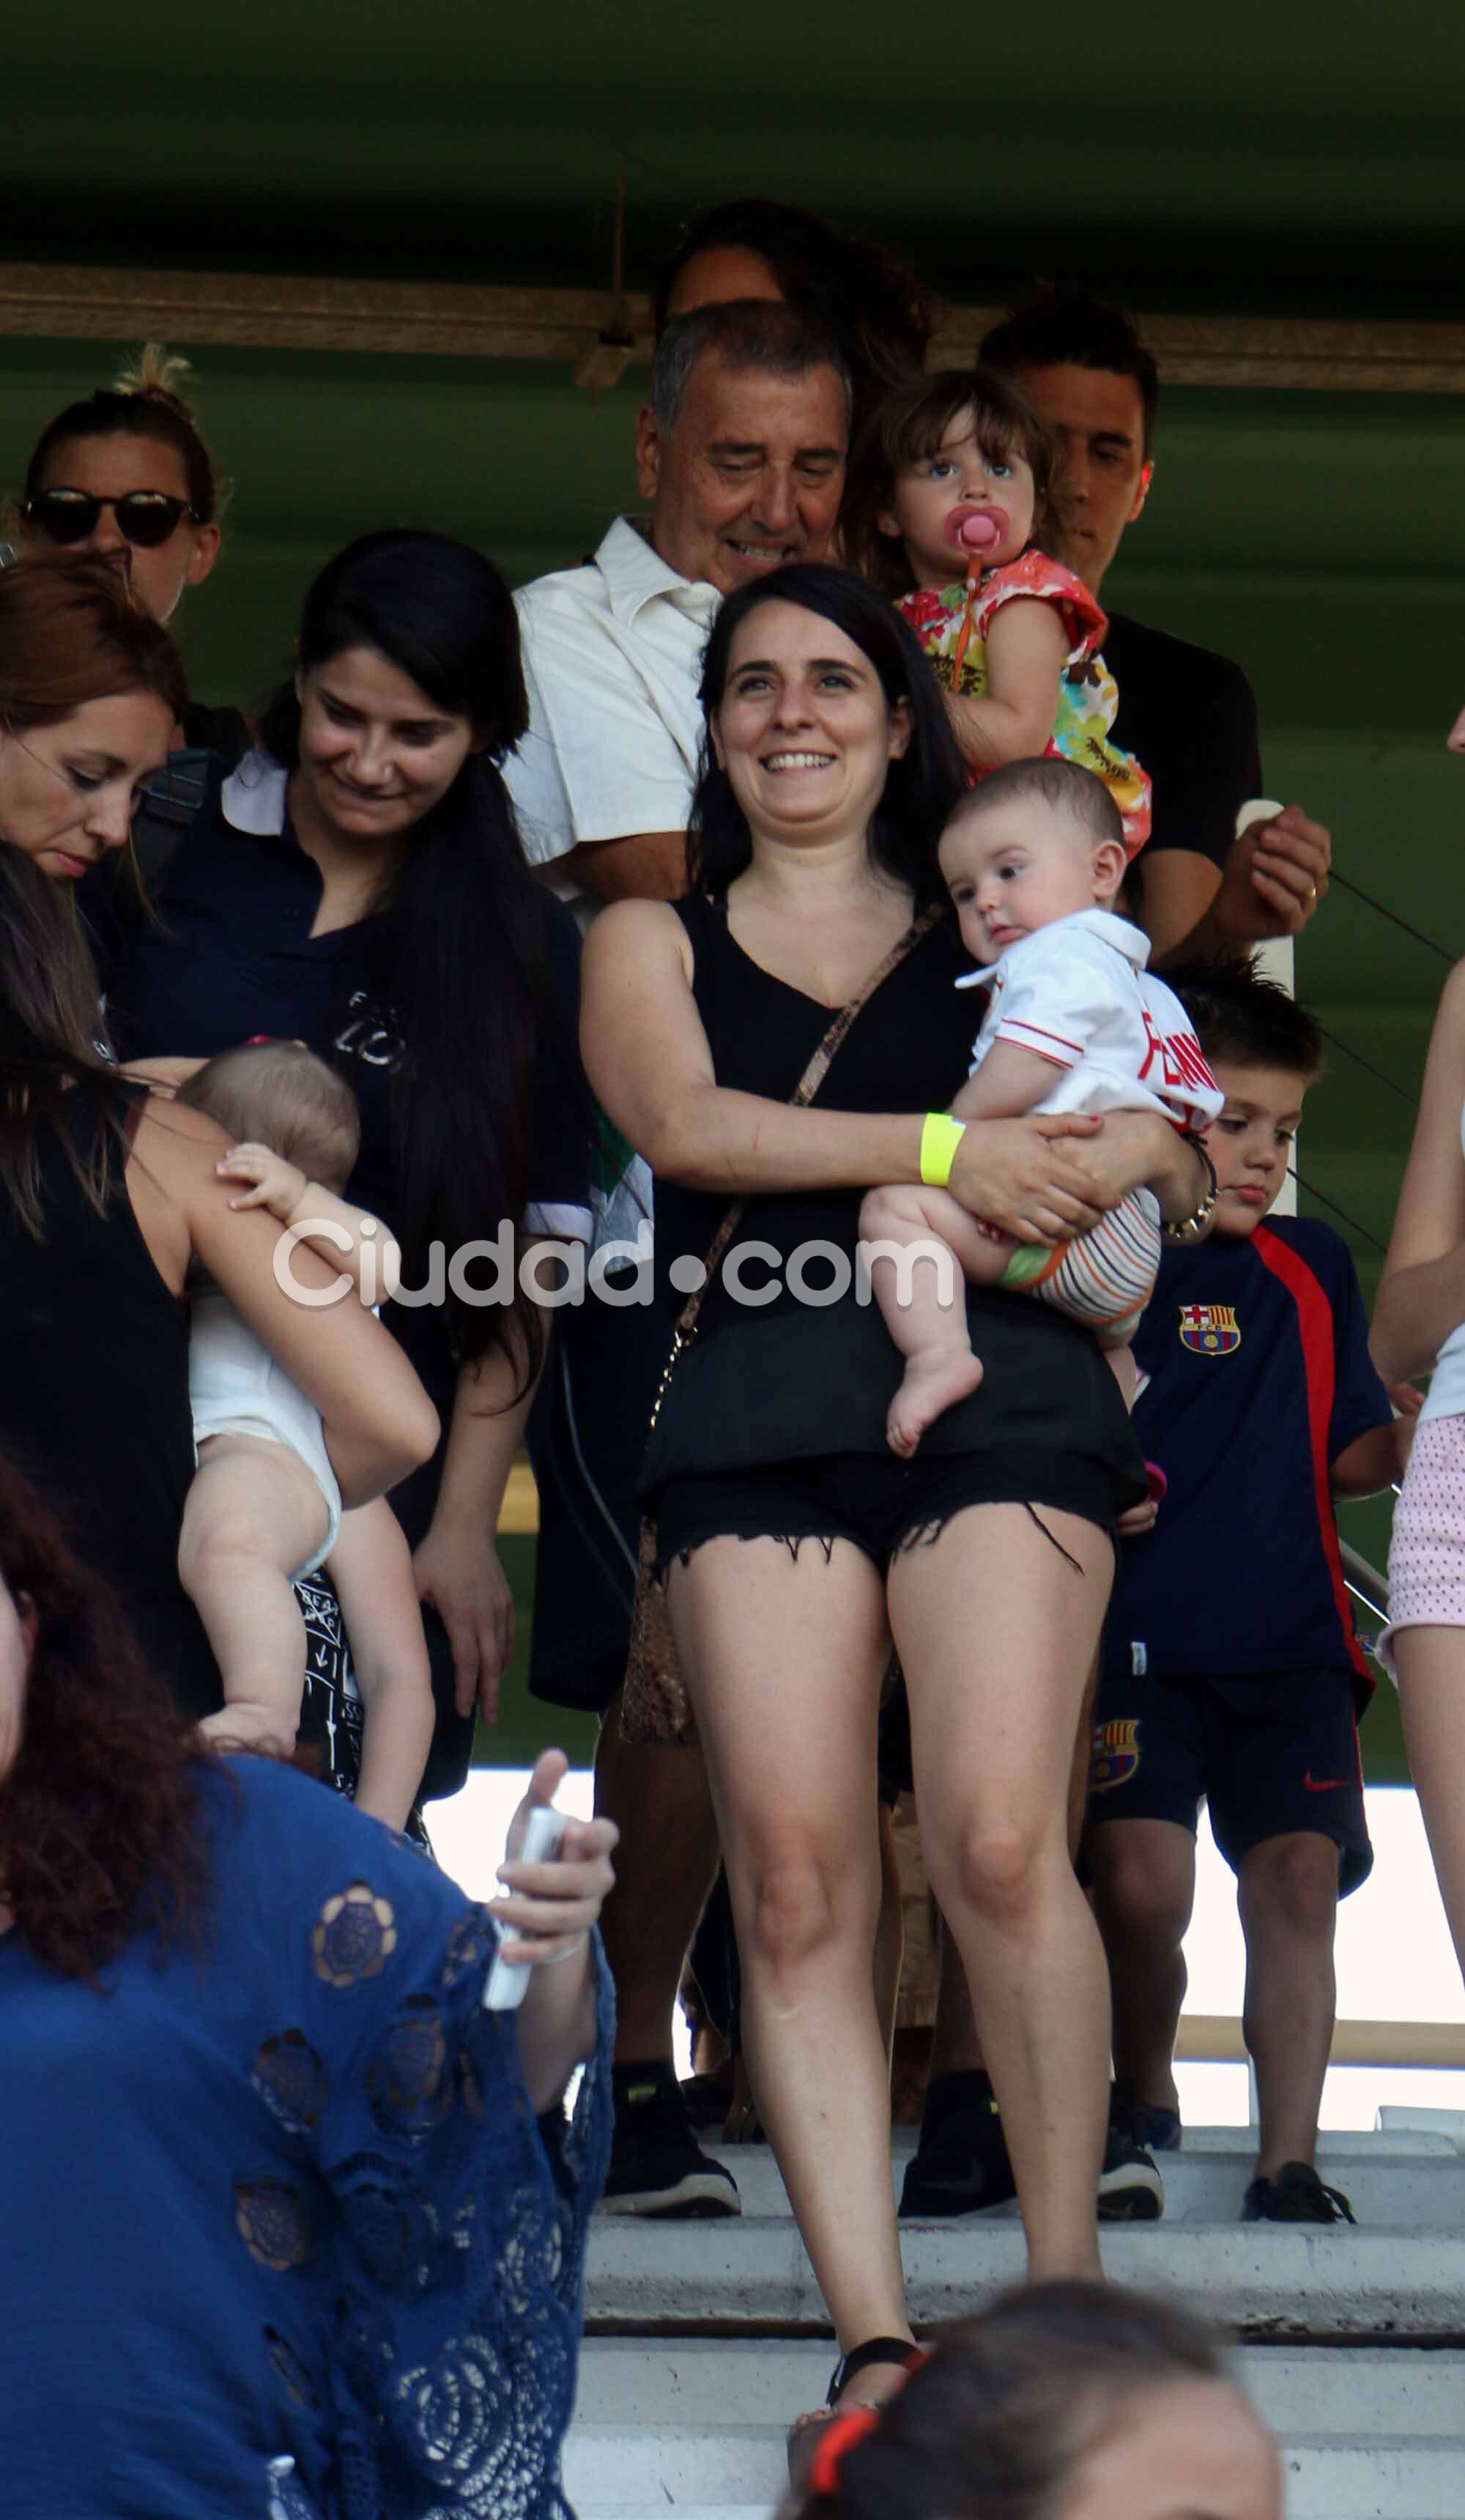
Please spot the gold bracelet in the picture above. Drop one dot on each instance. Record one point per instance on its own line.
(1191, 1227)
(940, 1136)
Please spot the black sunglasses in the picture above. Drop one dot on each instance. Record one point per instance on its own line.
(146, 518)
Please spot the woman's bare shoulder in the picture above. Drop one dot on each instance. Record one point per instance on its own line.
(631, 932)
(172, 1138)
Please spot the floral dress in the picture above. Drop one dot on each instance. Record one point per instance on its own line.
(1087, 694)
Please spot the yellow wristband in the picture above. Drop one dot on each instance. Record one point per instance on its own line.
(940, 1136)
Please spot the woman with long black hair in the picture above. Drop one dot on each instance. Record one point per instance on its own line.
(358, 883)
(773, 1038)
(109, 1200)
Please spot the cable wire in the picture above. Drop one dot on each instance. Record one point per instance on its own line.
(1337, 1042)
(1418, 934)
(1342, 1213)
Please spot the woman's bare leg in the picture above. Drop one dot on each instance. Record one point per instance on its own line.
(995, 1630)
(785, 1657)
(1431, 1667)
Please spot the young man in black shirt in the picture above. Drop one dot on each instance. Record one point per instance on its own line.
(1188, 715)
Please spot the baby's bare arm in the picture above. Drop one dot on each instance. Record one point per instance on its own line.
(348, 1236)
(1007, 1084)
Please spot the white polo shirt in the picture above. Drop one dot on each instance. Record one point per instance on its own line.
(1077, 993)
(612, 660)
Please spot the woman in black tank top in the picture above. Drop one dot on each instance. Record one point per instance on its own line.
(795, 1546)
(94, 1388)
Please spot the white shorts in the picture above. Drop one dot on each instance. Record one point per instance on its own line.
(1426, 1550)
(236, 1388)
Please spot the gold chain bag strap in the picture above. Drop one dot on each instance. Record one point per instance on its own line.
(655, 1705)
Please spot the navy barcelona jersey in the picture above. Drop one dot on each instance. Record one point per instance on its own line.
(1260, 1377)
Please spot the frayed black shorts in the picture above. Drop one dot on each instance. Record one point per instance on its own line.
(883, 1505)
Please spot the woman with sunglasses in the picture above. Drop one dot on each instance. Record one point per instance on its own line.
(358, 883)
(125, 474)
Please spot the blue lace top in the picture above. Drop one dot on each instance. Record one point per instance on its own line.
(288, 2201)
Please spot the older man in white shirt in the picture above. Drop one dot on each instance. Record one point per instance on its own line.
(740, 455)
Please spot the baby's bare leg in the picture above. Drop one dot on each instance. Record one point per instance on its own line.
(253, 1515)
(921, 1246)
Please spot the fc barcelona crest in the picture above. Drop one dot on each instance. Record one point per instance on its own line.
(1115, 1755)
(1210, 1329)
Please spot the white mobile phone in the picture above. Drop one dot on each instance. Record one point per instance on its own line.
(543, 1836)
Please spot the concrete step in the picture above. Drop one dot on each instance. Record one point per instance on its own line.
(1405, 2191)
(1260, 2279)
(1445, 2124)
(622, 2472)
(1402, 2134)
(700, 2426)
(703, 2383)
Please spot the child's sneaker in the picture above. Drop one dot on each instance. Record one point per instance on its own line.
(1296, 2195)
(1130, 2188)
(1157, 2129)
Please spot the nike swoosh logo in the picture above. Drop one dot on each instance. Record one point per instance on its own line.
(1323, 1784)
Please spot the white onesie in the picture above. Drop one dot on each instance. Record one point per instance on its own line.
(236, 1388)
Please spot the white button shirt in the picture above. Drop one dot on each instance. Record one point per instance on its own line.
(612, 660)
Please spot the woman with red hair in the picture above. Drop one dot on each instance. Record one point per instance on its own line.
(293, 2224)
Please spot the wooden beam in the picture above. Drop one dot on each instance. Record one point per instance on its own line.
(432, 320)
(1214, 2039)
(254, 311)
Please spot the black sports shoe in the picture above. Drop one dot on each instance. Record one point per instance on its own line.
(960, 2165)
(1157, 2129)
(1130, 2188)
(656, 2166)
(1296, 2195)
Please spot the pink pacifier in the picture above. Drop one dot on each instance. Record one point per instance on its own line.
(1156, 1483)
(975, 531)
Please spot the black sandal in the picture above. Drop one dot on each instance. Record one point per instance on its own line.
(876, 2349)
(805, 2431)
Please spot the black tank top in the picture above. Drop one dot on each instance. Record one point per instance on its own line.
(908, 1050)
(790, 1377)
(94, 1406)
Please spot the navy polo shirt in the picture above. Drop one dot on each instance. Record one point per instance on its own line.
(230, 955)
(1258, 1353)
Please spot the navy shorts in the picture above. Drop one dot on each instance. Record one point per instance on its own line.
(1273, 1754)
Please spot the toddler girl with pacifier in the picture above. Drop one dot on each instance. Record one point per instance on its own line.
(947, 486)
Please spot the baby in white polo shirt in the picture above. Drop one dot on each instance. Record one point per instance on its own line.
(1033, 858)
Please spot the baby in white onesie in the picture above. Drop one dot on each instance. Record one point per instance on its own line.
(264, 1506)
(1032, 859)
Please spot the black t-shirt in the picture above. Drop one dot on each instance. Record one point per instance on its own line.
(1191, 718)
